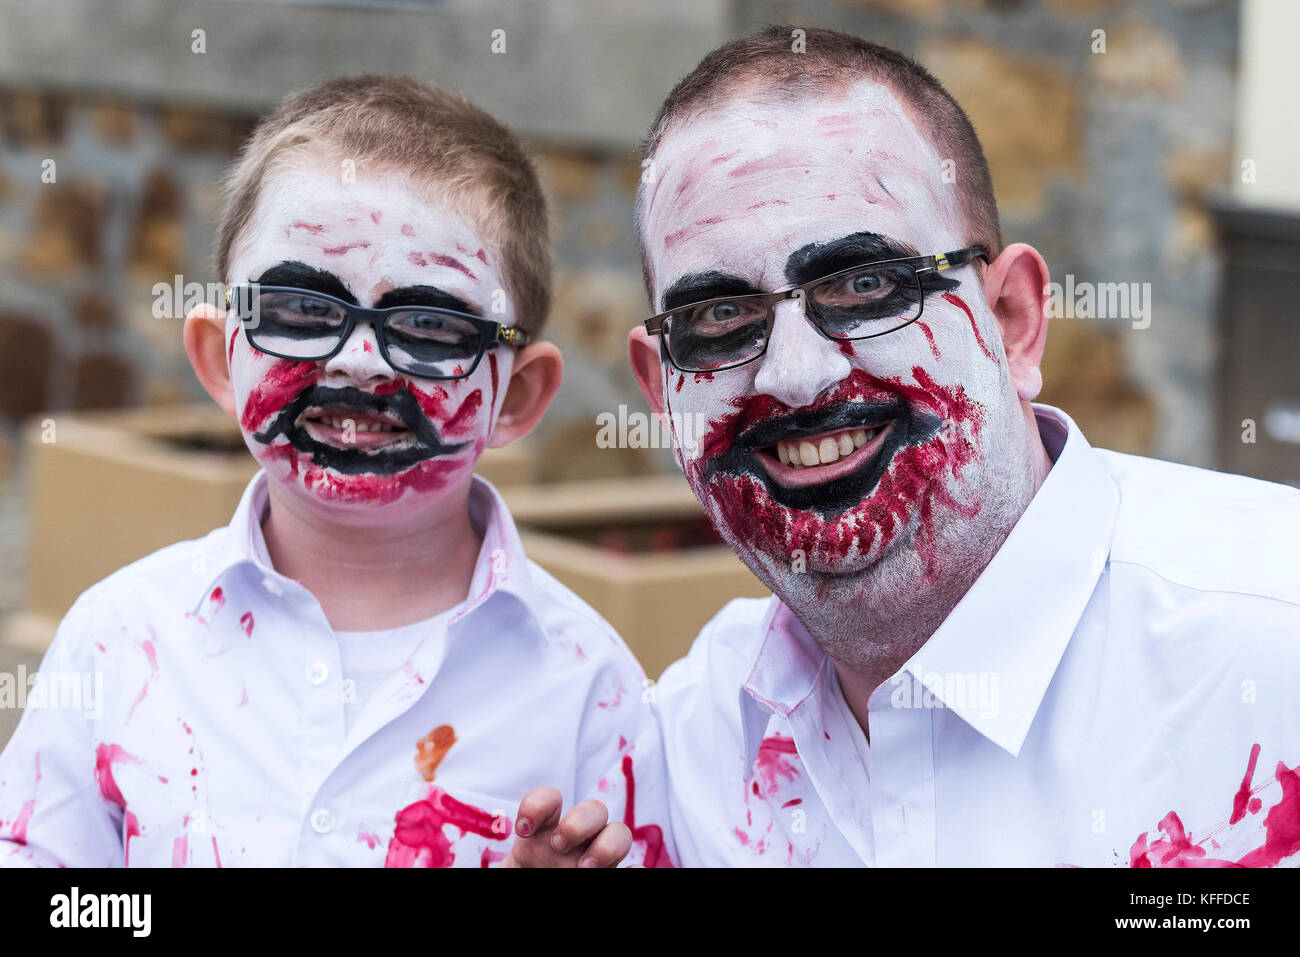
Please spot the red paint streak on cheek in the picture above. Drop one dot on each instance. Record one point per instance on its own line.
(463, 417)
(309, 227)
(929, 337)
(846, 349)
(492, 368)
(431, 403)
(230, 351)
(702, 377)
(649, 836)
(366, 346)
(481, 256)
(284, 381)
(681, 381)
(957, 301)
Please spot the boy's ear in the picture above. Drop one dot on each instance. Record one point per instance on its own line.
(205, 344)
(534, 379)
(647, 366)
(1015, 286)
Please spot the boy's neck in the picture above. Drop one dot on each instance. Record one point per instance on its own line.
(373, 577)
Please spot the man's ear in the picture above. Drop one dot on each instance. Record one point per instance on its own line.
(534, 379)
(647, 366)
(205, 344)
(1015, 285)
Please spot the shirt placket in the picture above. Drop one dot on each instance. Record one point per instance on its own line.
(901, 766)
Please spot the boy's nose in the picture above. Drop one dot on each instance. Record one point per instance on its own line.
(358, 363)
(800, 363)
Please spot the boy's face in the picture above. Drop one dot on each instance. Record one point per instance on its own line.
(352, 431)
(908, 435)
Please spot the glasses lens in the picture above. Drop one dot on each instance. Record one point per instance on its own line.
(433, 344)
(292, 323)
(866, 302)
(716, 335)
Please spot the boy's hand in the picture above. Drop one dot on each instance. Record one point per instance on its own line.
(581, 838)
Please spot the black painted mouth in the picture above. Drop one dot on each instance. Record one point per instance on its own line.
(423, 442)
(906, 426)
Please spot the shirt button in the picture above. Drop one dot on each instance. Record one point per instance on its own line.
(317, 672)
(322, 821)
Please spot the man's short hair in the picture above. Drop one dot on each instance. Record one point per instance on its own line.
(831, 60)
(447, 145)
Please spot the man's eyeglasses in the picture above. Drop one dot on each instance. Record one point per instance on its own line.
(856, 303)
(423, 341)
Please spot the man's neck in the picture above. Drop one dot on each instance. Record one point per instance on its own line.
(373, 577)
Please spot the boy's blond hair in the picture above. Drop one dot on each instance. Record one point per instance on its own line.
(441, 139)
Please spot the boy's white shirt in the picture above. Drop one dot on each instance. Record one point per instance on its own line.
(218, 737)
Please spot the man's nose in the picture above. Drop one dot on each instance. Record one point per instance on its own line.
(358, 363)
(800, 362)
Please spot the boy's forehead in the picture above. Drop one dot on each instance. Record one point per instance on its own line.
(744, 183)
(375, 231)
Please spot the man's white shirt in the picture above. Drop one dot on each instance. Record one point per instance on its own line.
(221, 732)
(1120, 687)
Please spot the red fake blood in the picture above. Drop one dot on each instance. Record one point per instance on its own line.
(180, 850)
(481, 256)
(18, 829)
(1241, 800)
(702, 377)
(929, 337)
(216, 853)
(230, 352)
(418, 837)
(846, 349)
(366, 346)
(309, 227)
(439, 259)
(492, 367)
(106, 755)
(956, 301)
(246, 622)
(1281, 829)
(347, 247)
(649, 836)
(681, 381)
(408, 229)
(376, 216)
(771, 765)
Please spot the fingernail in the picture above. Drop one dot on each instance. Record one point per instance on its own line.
(523, 827)
(587, 862)
(557, 841)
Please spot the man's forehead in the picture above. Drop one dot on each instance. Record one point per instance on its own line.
(753, 177)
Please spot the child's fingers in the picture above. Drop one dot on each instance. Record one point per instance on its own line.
(538, 811)
(580, 825)
(610, 846)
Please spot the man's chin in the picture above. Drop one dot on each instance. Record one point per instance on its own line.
(358, 491)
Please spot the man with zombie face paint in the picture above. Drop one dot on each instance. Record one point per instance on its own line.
(989, 643)
(363, 669)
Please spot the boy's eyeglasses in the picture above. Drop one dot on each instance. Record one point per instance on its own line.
(422, 341)
(856, 303)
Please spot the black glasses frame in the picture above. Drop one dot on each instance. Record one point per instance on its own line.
(921, 265)
(491, 333)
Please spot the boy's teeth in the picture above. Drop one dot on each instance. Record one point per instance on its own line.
(804, 453)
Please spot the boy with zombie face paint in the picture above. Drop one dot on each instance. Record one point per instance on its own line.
(363, 668)
(989, 643)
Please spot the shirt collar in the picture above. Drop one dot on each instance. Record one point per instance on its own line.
(501, 566)
(1055, 553)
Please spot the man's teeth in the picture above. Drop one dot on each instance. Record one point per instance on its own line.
(803, 453)
(341, 422)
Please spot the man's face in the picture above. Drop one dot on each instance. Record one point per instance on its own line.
(899, 442)
(351, 431)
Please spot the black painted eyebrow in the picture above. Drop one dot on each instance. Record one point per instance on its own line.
(301, 276)
(425, 296)
(820, 259)
(699, 286)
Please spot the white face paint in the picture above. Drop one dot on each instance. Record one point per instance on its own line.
(388, 439)
(915, 432)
